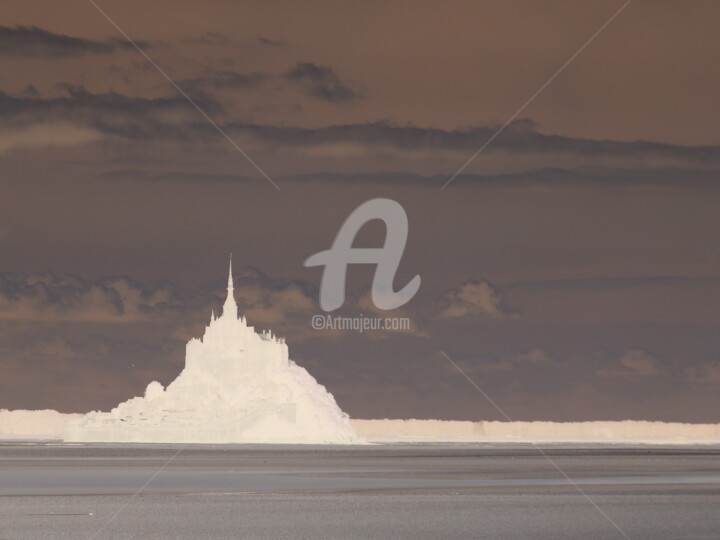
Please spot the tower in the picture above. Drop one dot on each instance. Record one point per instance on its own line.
(230, 307)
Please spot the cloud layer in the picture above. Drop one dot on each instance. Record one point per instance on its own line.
(321, 82)
(33, 42)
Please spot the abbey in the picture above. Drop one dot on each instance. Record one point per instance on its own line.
(237, 386)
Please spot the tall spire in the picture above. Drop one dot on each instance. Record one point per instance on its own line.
(230, 280)
(230, 307)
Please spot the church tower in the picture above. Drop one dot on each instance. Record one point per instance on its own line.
(230, 307)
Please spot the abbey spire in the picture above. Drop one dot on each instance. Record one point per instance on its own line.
(230, 307)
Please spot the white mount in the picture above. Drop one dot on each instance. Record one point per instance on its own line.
(238, 386)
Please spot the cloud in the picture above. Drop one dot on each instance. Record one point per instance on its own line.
(30, 91)
(274, 303)
(365, 307)
(105, 114)
(272, 42)
(174, 119)
(31, 41)
(708, 373)
(472, 298)
(535, 356)
(321, 82)
(521, 137)
(632, 363)
(45, 135)
(222, 80)
(64, 298)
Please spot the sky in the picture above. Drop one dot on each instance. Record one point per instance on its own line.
(571, 270)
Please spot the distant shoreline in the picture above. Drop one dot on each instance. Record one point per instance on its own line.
(48, 425)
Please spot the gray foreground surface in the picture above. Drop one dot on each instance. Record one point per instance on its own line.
(398, 491)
